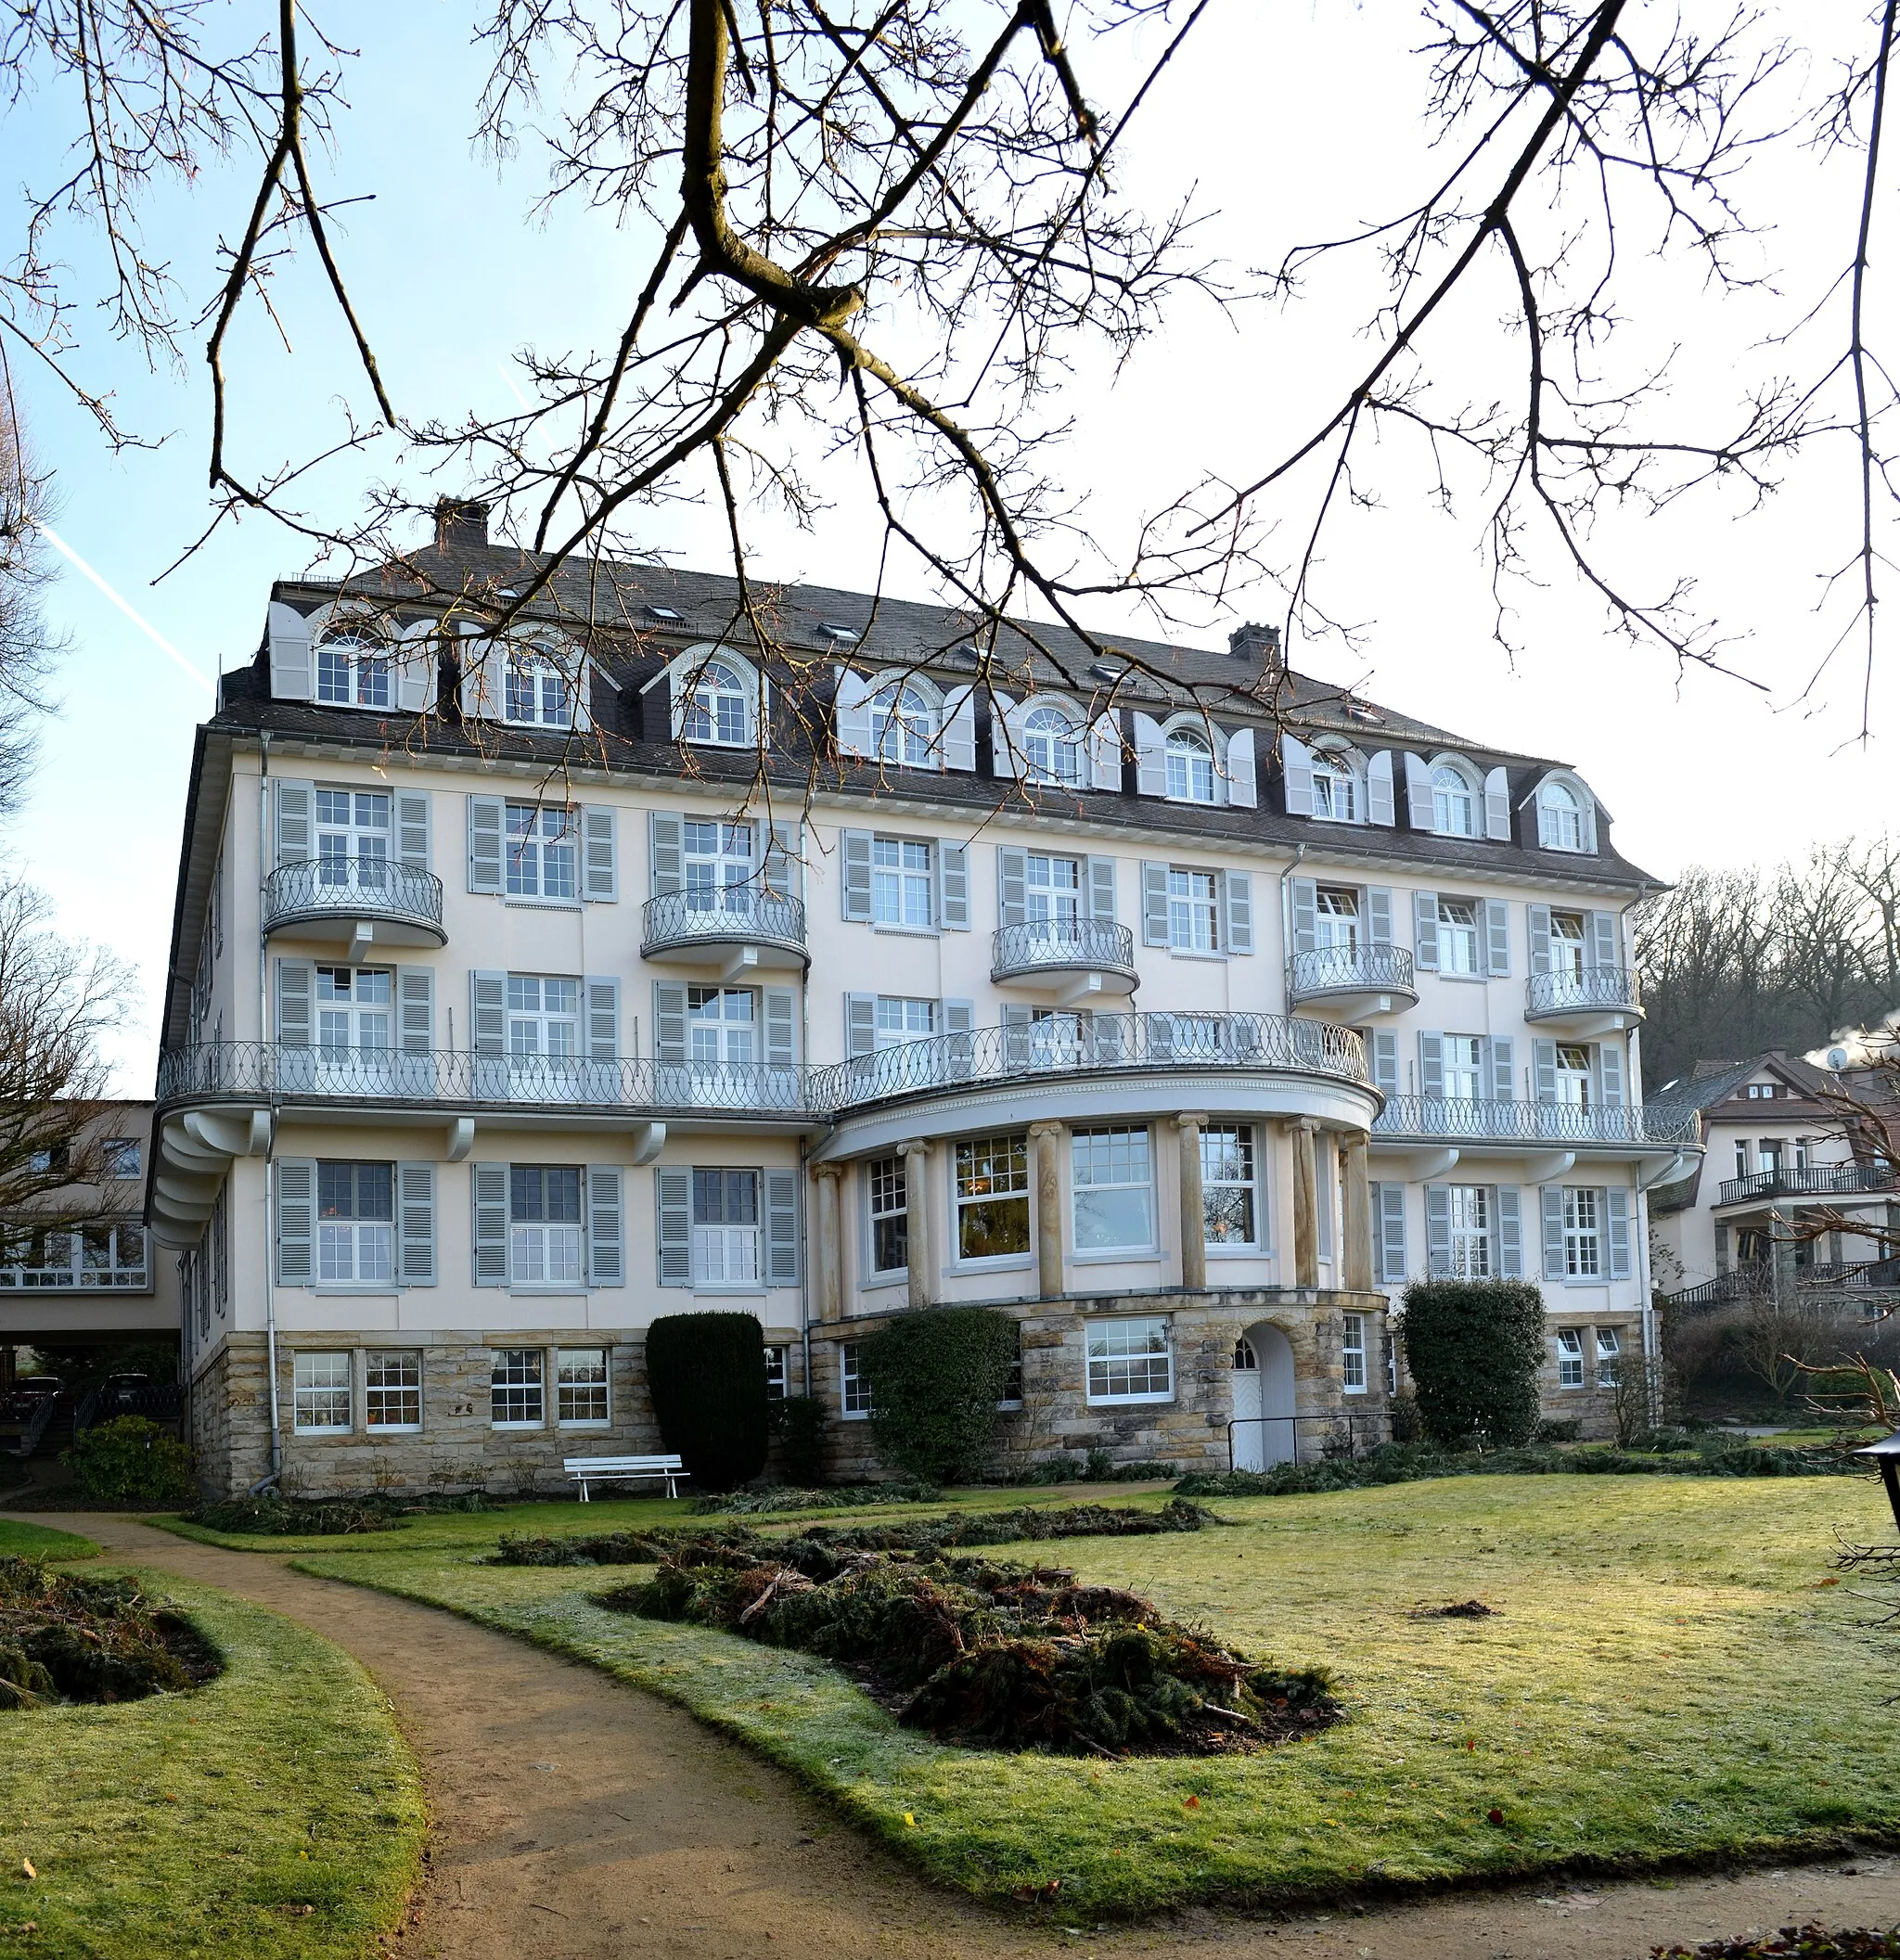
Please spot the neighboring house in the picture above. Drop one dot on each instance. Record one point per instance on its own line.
(1777, 1161)
(560, 1028)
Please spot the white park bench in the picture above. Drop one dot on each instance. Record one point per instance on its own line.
(585, 1470)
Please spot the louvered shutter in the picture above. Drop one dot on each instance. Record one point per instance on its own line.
(1101, 890)
(1544, 1070)
(488, 1012)
(1417, 793)
(1379, 806)
(1539, 916)
(1497, 805)
(295, 806)
(674, 1191)
(669, 1021)
(1005, 755)
(782, 1228)
(1431, 1066)
(1510, 1263)
(607, 1255)
(1296, 773)
(1238, 887)
(1425, 930)
(1385, 1061)
(1610, 1074)
(412, 828)
(488, 1205)
(1377, 917)
(291, 665)
(1150, 756)
(1616, 1210)
(855, 884)
(296, 1194)
(415, 1008)
(1503, 1054)
(1244, 790)
(416, 1222)
(953, 888)
(599, 853)
(1389, 1215)
(1438, 1231)
(1496, 939)
(603, 1017)
(1019, 1026)
(1305, 915)
(860, 1025)
(1105, 753)
(784, 856)
(1603, 947)
(853, 709)
(487, 827)
(1154, 904)
(1550, 1198)
(1012, 885)
(296, 987)
(958, 746)
(666, 852)
(781, 1028)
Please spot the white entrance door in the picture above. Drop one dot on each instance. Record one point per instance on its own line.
(1247, 1428)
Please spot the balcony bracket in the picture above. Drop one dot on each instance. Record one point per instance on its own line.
(1549, 1167)
(461, 1137)
(649, 1142)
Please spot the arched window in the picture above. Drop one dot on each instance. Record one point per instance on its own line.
(1336, 787)
(538, 689)
(1560, 818)
(355, 668)
(904, 726)
(1191, 767)
(719, 708)
(1454, 806)
(1052, 748)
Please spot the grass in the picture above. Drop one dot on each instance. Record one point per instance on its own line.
(1669, 1678)
(208, 1823)
(39, 1541)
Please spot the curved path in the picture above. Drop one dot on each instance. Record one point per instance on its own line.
(576, 1819)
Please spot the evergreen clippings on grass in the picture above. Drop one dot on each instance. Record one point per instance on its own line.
(64, 1639)
(706, 1375)
(1473, 1348)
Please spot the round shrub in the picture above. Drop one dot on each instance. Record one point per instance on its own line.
(1474, 1347)
(130, 1460)
(706, 1374)
(934, 1379)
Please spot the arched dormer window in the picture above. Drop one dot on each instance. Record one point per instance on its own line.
(1455, 800)
(1054, 745)
(907, 723)
(715, 699)
(355, 662)
(1339, 794)
(1190, 765)
(1566, 815)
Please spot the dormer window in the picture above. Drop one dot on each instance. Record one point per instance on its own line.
(1052, 748)
(904, 726)
(1454, 803)
(355, 668)
(1191, 767)
(717, 709)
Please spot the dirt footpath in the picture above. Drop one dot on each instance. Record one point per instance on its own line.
(576, 1819)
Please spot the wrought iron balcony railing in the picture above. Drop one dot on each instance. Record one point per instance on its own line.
(1060, 946)
(1350, 970)
(1605, 990)
(1815, 1180)
(351, 887)
(1453, 1119)
(740, 914)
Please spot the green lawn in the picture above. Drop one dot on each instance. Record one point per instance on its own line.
(39, 1541)
(206, 1823)
(1668, 1677)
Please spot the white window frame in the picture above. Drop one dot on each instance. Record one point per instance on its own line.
(313, 1399)
(1583, 1235)
(1569, 1358)
(1124, 1350)
(1188, 910)
(1097, 1152)
(1353, 1353)
(894, 870)
(1008, 1144)
(853, 1397)
(531, 1385)
(571, 1386)
(381, 1394)
(1247, 1142)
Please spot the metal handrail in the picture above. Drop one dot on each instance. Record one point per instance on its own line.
(1619, 989)
(1035, 943)
(684, 918)
(353, 887)
(1815, 1180)
(1339, 969)
(1531, 1122)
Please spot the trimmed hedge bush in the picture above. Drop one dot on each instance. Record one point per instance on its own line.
(706, 1374)
(934, 1379)
(130, 1460)
(1473, 1347)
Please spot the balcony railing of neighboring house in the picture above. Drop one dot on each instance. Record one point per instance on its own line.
(1350, 970)
(1607, 990)
(1815, 1180)
(737, 915)
(1867, 1280)
(352, 888)
(1445, 1119)
(1061, 945)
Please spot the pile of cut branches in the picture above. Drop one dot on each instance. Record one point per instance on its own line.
(65, 1639)
(993, 1656)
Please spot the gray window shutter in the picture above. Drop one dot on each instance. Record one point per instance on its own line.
(959, 1042)
(296, 1193)
(603, 1017)
(860, 1025)
(1425, 929)
(1438, 1231)
(599, 853)
(1150, 756)
(855, 884)
(1498, 939)
(1610, 1074)
(958, 748)
(1509, 1263)
(1385, 1061)
(1305, 915)
(668, 1023)
(1544, 1071)
(487, 825)
(291, 666)
(412, 827)
(1603, 947)
(1497, 805)
(1418, 792)
(1018, 1034)
(488, 1012)
(1238, 888)
(953, 886)
(1389, 1210)
(295, 985)
(488, 1193)
(781, 1028)
(782, 1228)
(1244, 790)
(665, 835)
(1431, 1065)
(1154, 904)
(1616, 1210)
(607, 1259)
(415, 1008)
(1101, 890)
(784, 853)
(1379, 806)
(1379, 916)
(1552, 1199)
(415, 1216)
(1012, 885)
(1502, 1068)
(1540, 938)
(295, 808)
(1296, 768)
(674, 1188)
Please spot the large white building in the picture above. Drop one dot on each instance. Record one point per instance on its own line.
(523, 994)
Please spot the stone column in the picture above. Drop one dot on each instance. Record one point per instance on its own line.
(831, 1242)
(1046, 1144)
(1188, 1129)
(917, 1218)
(1355, 1220)
(1306, 1203)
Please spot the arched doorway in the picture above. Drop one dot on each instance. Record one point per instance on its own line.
(1264, 1427)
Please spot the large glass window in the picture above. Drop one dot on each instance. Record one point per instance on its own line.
(353, 839)
(718, 708)
(904, 726)
(890, 1198)
(1129, 1361)
(1453, 806)
(1052, 748)
(1583, 1247)
(1457, 935)
(544, 1015)
(514, 1393)
(1191, 767)
(393, 1389)
(1193, 911)
(1227, 1184)
(725, 1228)
(899, 882)
(353, 668)
(1353, 1353)
(540, 851)
(321, 1395)
(355, 1228)
(1470, 1231)
(354, 1004)
(992, 1196)
(1113, 1190)
(545, 1225)
(537, 691)
(580, 1380)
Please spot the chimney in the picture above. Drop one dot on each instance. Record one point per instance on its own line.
(1259, 645)
(461, 524)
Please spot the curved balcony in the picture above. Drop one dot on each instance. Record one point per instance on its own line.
(1600, 1000)
(362, 901)
(743, 927)
(1354, 980)
(1073, 958)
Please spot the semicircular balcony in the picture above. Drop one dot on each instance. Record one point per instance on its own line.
(739, 929)
(1071, 959)
(1355, 983)
(358, 901)
(1596, 1000)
